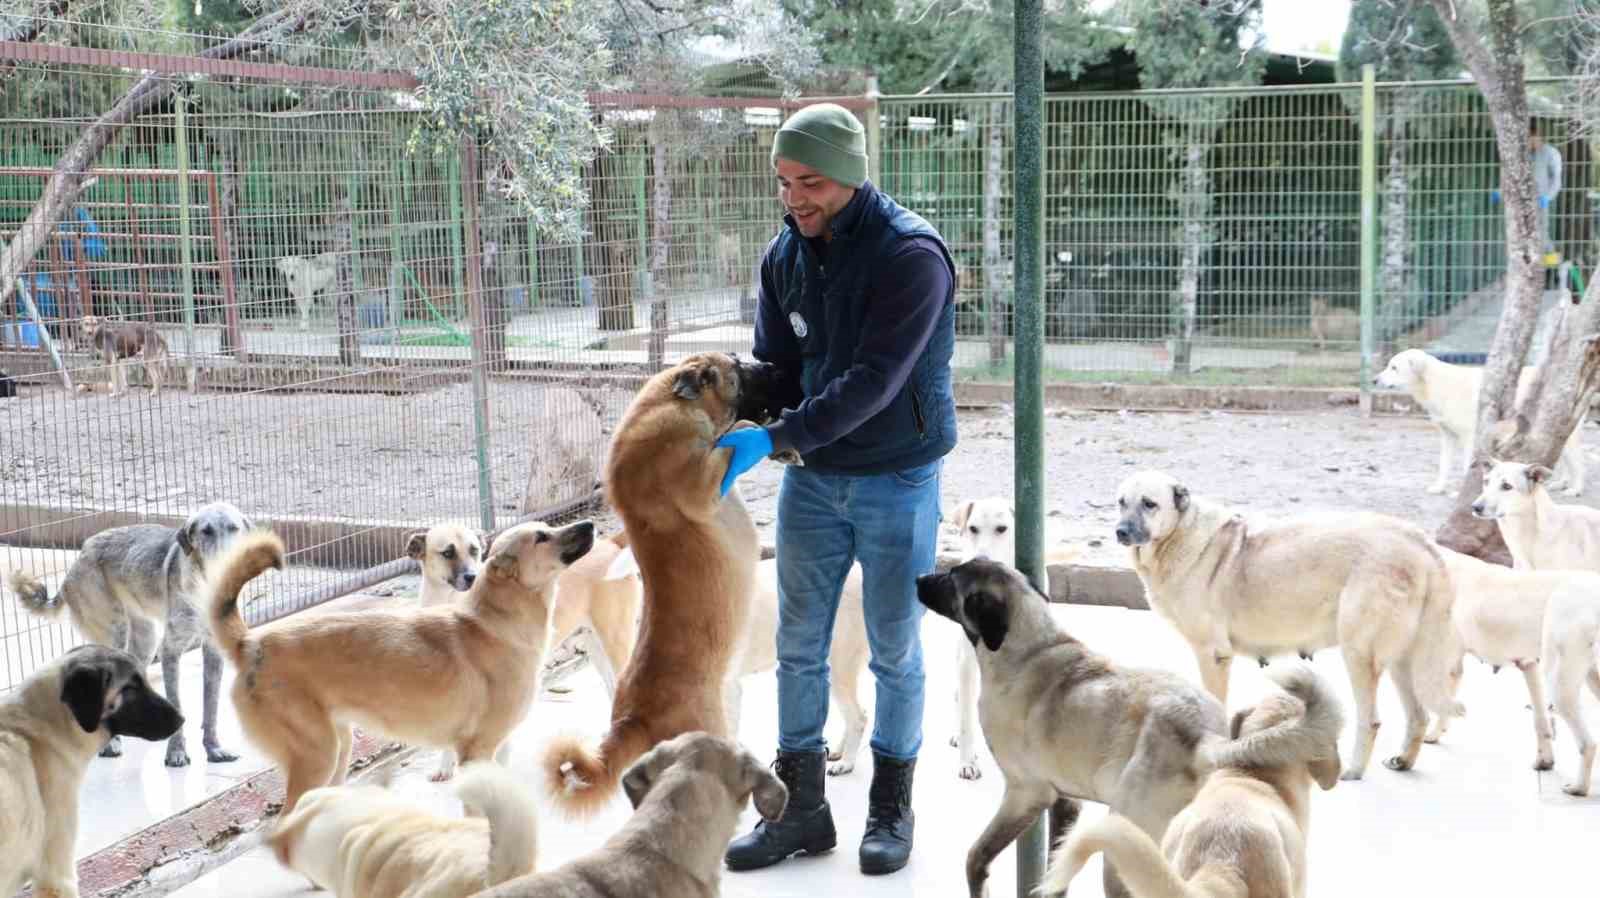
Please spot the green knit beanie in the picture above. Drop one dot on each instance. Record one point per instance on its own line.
(828, 138)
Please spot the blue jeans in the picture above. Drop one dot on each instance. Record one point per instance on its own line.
(890, 523)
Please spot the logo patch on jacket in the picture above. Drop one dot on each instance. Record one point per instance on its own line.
(799, 325)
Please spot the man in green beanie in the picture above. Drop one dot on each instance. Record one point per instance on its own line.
(857, 308)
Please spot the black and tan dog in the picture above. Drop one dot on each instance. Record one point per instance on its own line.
(114, 341)
(50, 728)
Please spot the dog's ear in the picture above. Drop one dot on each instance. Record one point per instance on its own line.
(488, 542)
(503, 562)
(638, 778)
(691, 383)
(963, 512)
(988, 615)
(417, 545)
(1325, 770)
(1539, 474)
(246, 522)
(767, 792)
(186, 537)
(1180, 497)
(83, 690)
(1237, 724)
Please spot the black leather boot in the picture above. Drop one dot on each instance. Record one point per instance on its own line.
(806, 825)
(886, 845)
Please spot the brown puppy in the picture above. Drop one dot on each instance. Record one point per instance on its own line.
(687, 793)
(457, 676)
(697, 553)
(118, 340)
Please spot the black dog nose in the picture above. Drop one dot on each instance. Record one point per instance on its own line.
(1124, 534)
(468, 578)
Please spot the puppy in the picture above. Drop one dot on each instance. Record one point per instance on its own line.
(114, 341)
(458, 676)
(1449, 394)
(1244, 835)
(364, 841)
(139, 588)
(687, 795)
(451, 556)
(50, 728)
(1329, 322)
(307, 276)
(1372, 584)
(1540, 534)
(988, 530)
(1064, 723)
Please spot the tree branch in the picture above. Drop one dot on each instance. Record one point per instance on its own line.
(34, 26)
(1472, 51)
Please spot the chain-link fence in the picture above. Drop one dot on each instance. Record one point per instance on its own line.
(364, 340)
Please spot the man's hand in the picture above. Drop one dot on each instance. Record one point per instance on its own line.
(749, 446)
(1544, 202)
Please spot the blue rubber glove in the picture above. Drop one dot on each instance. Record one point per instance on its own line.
(1494, 196)
(1544, 202)
(749, 446)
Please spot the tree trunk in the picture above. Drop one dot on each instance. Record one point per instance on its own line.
(1396, 203)
(344, 282)
(61, 190)
(1194, 210)
(1496, 66)
(993, 263)
(661, 249)
(612, 261)
(232, 188)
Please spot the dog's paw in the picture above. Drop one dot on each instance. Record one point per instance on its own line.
(1575, 790)
(970, 771)
(216, 754)
(835, 755)
(1397, 763)
(840, 768)
(1544, 763)
(1351, 775)
(441, 776)
(113, 748)
(955, 741)
(177, 756)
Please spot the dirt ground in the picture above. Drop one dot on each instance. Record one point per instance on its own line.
(411, 458)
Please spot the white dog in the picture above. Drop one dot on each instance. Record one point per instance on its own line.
(1449, 394)
(1540, 534)
(307, 276)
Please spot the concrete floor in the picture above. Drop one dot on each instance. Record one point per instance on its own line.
(1473, 819)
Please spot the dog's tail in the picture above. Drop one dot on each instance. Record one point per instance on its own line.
(249, 555)
(1138, 862)
(490, 790)
(582, 780)
(34, 595)
(1297, 739)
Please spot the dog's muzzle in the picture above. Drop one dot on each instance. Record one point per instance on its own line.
(1130, 534)
(1480, 511)
(937, 592)
(576, 541)
(464, 581)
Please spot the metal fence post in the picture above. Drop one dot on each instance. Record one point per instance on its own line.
(185, 238)
(1028, 448)
(874, 129)
(1369, 228)
(467, 189)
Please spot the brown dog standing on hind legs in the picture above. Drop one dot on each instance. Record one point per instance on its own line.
(696, 552)
(458, 676)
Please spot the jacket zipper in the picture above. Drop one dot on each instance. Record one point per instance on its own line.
(916, 414)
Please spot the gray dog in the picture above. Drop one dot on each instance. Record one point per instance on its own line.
(135, 588)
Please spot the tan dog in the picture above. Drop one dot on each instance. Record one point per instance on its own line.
(1540, 534)
(451, 557)
(1570, 653)
(1371, 584)
(697, 554)
(460, 676)
(1449, 394)
(364, 841)
(50, 728)
(687, 795)
(1244, 835)
(1329, 322)
(114, 341)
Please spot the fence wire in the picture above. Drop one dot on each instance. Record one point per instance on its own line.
(365, 340)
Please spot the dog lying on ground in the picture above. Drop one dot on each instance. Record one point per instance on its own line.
(1066, 724)
(307, 276)
(696, 552)
(1331, 323)
(1244, 835)
(365, 841)
(1371, 584)
(138, 588)
(50, 728)
(1540, 534)
(114, 341)
(458, 676)
(1449, 394)
(687, 795)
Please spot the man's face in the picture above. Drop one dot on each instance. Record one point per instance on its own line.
(1535, 141)
(811, 197)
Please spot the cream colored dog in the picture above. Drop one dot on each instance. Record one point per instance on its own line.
(459, 676)
(365, 841)
(451, 557)
(307, 276)
(1244, 835)
(1540, 534)
(1449, 394)
(1571, 655)
(1371, 584)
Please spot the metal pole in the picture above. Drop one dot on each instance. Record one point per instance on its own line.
(1369, 227)
(44, 332)
(1028, 445)
(186, 238)
(874, 125)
